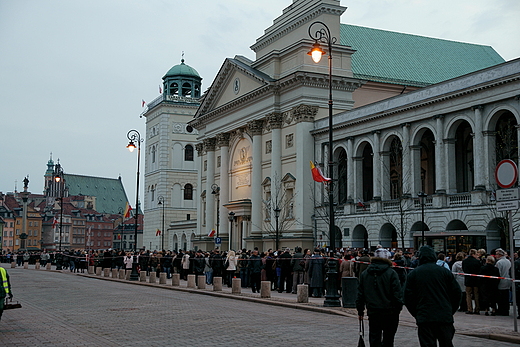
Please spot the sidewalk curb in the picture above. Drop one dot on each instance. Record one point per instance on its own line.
(496, 337)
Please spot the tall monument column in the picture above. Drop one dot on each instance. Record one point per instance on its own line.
(209, 146)
(256, 128)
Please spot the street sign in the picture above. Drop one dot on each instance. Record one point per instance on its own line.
(218, 240)
(506, 173)
(507, 205)
(507, 194)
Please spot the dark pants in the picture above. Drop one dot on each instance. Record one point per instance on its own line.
(503, 302)
(285, 280)
(430, 333)
(255, 281)
(382, 329)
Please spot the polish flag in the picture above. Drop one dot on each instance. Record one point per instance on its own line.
(128, 208)
(158, 232)
(54, 222)
(143, 103)
(317, 175)
(160, 89)
(212, 233)
(361, 204)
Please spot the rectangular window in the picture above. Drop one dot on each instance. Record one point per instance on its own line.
(36, 224)
(30, 223)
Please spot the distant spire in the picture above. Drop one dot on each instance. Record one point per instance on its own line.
(182, 59)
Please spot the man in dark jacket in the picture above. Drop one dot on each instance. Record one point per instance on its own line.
(255, 267)
(286, 271)
(432, 296)
(472, 265)
(379, 289)
(298, 267)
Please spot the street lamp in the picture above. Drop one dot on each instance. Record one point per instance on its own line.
(422, 200)
(323, 35)
(60, 183)
(134, 136)
(231, 218)
(276, 215)
(216, 191)
(161, 202)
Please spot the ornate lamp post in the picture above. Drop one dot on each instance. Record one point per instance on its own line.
(324, 36)
(231, 218)
(60, 183)
(161, 202)
(276, 216)
(422, 199)
(134, 136)
(216, 191)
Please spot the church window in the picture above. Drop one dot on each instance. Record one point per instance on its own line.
(188, 153)
(153, 154)
(188, 192)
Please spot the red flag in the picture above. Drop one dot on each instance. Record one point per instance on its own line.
(212, 233)
(119, 236)
(158, 232)
(317, 175)
(54, 221)
(127, 210)
(160, 89)
(361, 204)
(143, 103)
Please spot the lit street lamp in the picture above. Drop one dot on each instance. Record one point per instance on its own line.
(323, 35)
(161, 202)
(422, 200)
(134, 136)
(276, 216)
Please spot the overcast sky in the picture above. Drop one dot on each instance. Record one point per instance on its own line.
(73, 72)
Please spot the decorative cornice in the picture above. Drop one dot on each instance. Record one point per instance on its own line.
(256, 127)
(304, 113)
(223, 139)
(200, 149)
(210, 144)
(275, 120)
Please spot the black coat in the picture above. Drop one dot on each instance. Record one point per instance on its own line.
(471, 265)
(431, 294)
(489, 286)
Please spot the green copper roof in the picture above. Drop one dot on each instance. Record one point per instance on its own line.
(109, 192)
(392, 57)
(182, 70)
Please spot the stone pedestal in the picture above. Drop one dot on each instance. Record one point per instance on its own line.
(98, 271)
(162, 278)
(303, 293)
(127, 275)
(122, 274)
(236, 286)
(265, 289)
(90, 269)
(153, 277)
(142, 276)
(191, 281)
(13, 265)
(26, 265)
(115, 273)
(106, 272)
(37, 266)
(201, 282)
(176, 280)
(217, 284)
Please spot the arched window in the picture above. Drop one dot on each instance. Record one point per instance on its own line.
(153, 154)
(188, 153)
(152, 193)
(188, 192)
(174, 89)
(197, 91)
(186, 89)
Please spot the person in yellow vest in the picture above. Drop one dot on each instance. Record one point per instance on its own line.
(5, 289)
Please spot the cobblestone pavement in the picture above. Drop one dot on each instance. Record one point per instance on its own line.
(60, 309)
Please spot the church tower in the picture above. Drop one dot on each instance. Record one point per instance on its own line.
(171, 170)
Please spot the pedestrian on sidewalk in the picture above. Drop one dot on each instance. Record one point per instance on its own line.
(255, 270)
(504, 266)
(472, 265)
(231, 268)
(379, 290)
(5, 289)
(432, 296)
(489, 286)
(298, 268)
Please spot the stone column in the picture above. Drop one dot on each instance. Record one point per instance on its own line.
(200, 204)
(26, 265)
(37, 266)
(162, 278)
(385, 175)
(224, 193)
(350, 169)
(13, 265)
(90, 270)
(201, 282)
(256, 128)
(440, 161)
(153, 277)
(122, 274)
(407, 172)
(377, 164)
(106, 272)
(490, 157)
(358, 178)
(217, 284)
(265, 289)
(191, 281)
(142, 276)
(176, 280)
(127, 274)
(236, 287)
(416, 169)
(478, 149)
(302, 293)
(450, 166)
(98, 271)
(276, 122)
(209, 146)
(114, 273)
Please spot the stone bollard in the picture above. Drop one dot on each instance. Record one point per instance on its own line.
(90, 269)
(162, 278)
(127, 274)
(191, 281)
(48, 266)
(153, 277)
(201, 282)
(303, 293)
(122, 274)
(98, 271)
(25, 265)
(142, 276)
(13, 265)
(217, 284)
(115, 273)
(265, 289)
(176, 280)
(106, 272)
(37, 266)
(236, 286)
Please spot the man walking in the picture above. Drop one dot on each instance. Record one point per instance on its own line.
(379, 289)
(432, 296)
(5, 290)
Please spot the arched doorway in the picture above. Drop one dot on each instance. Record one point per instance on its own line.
(367, 173)
(341, 159)
(417, 230)
(464, 165)
(360, 237)
(388, 236)
(427, 144)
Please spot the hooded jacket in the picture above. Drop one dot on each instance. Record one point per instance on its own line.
(431, 294)
(379, 289)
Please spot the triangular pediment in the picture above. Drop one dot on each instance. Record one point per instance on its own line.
(233, 83)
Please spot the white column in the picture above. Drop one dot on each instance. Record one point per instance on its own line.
(275, 120)
(478, 150)
(350, 169)
(224, 193)
(385, 175)
(209, 146)
(450, 166)
(441, 168)
(200, 208)
(407, 173)
(377, 165)
(415, 153)
(358, 179)
(256, 179)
